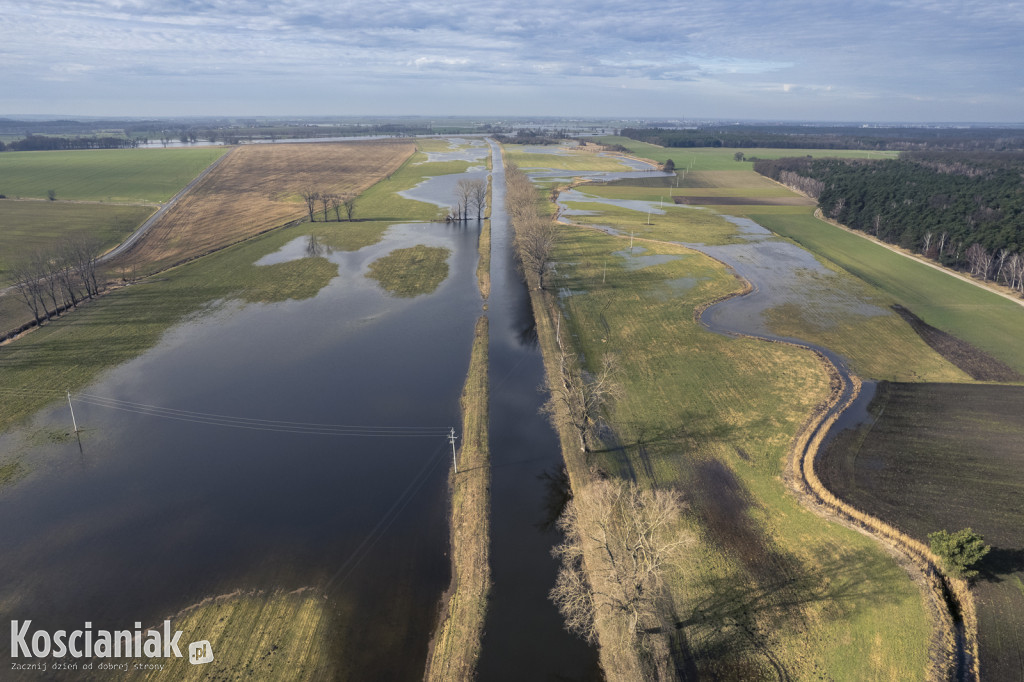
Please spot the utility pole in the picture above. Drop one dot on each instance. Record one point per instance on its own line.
(631, 242)
(451, 438)
(74, 422)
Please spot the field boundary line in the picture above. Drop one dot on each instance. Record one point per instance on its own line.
(133, 239)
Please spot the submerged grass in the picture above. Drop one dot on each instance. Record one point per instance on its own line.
(455, 647)
(411, 272)
(65, 354)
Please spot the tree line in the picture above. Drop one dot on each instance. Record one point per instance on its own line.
(328, 201)
(965, 211)
(32, 143)
(54, 279)
(832, 137)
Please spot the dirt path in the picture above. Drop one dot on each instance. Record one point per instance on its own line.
(133, 239)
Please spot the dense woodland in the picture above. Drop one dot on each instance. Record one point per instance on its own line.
(832, 137)
(965, 210)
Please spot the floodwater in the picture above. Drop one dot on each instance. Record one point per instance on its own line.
(256, 481)
(524, 636)
(155, 514)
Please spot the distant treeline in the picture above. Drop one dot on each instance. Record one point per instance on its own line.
(35, 143)
(824, 137)
(965, 210)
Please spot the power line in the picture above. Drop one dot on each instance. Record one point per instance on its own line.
(249, 423)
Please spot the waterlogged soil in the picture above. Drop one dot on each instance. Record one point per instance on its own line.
(153, 514)
(462, 150)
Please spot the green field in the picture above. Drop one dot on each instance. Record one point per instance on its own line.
(26, 226)
(948, 456)
(110, 175)
(768, 585)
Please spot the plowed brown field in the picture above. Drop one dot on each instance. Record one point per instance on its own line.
(256, 189)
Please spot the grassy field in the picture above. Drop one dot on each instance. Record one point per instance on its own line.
(948, 456)
(281, 636)
(257, 189)
(411, 272)
(110, 175)
(26, 226)
(455, 648)
(769, 586)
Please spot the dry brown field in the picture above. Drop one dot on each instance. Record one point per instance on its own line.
(258, 188)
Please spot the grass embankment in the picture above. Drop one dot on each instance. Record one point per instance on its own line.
(483, 267)
(282, 636)
(769, 586)
(28, 226)
(456, 644)
(948, 456)
(111, 175)
(411, 272)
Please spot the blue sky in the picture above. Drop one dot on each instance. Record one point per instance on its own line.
(916, 60)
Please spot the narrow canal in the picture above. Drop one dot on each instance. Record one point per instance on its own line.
(524, 636)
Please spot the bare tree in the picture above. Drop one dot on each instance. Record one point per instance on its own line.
(463, 197)
(311, 196)
(927, 243)
(336, 205)
(349, 202)
(29, 290)
(630, 538)
(478, 197)
(325, 202)
(578, 397)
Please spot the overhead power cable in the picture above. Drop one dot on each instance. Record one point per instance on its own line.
(250, 423)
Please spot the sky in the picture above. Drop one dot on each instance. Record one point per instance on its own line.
(822, 60)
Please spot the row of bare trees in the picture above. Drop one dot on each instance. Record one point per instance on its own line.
(1002, 266)
(55, 279)
(328, 202)
(470, 197)
(534, 232)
